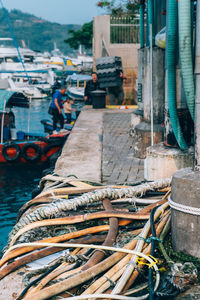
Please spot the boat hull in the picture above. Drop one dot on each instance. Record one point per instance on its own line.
(36, 151)
(76, 93)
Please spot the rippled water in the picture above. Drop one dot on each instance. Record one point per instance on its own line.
(37, 112)
(16, 184)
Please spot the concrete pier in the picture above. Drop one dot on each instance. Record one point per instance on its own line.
(100, 149)
(82, 153)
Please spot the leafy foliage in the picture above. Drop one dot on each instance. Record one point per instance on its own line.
(38, 34)
(82, 36)
(118, 8)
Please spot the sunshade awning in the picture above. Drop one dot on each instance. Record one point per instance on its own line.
(78, 77)
(10, 99)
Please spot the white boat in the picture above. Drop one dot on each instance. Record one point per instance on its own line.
(76, 93)
(55, 60)
(27, 89)
(43, 82)
(76, 84)
(10, 61)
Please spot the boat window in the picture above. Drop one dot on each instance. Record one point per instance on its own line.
(28, 58)
(11, 59)
(81, 83)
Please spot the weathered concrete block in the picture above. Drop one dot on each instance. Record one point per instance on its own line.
(142, 138)
(136, 118)
(162, 162)
(185, 226)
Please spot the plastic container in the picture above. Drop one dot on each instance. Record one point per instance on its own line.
(13, 132)
(98, 99)
(20, 135)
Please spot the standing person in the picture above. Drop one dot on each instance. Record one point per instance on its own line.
(91, 85)
(116, 93)
(68, 110)
(56, 105)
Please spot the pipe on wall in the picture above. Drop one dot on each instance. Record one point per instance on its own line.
(172, 22)
(142, 3)
(185, 52)
(197, 100)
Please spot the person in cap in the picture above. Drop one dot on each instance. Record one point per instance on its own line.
(56, 105)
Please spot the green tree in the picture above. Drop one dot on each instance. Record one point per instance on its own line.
(82, 36)
(116, 7)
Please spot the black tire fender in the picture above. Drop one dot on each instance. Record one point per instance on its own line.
(26, 147)
(8, 146)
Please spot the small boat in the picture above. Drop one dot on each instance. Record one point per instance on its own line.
(76, 84)
(19, 147)
(76, 93)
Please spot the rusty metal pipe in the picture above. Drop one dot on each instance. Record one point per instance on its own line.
(110, 239)
(80, 219)
(56, 239)
(42, 253)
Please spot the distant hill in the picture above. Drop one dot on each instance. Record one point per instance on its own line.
(38, 34)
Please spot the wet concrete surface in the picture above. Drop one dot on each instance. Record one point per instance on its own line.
(100, 148)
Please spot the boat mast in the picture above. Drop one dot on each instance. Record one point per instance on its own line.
(2, 120)
(14, 40)
(29, 116)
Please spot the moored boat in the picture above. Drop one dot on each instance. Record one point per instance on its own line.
(18, 147)
(76, 84)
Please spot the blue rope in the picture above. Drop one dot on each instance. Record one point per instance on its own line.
(13, 37)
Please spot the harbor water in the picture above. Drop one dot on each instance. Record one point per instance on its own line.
(16, 184)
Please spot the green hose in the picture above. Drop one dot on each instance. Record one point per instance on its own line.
(185, 50)
(141, 23)
(162, 237)
(171, 66)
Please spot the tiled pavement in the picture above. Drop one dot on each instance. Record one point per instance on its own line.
(119, 166)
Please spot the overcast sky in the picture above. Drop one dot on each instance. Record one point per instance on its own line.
(60, 11)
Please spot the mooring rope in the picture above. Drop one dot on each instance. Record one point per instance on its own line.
(184, 208)
(51, 210)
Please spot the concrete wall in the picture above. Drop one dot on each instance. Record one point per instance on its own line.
(128, 53)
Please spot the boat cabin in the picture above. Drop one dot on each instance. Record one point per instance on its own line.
(77, 80)
(7, 119)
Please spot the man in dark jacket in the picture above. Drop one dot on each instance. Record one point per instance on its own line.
(116, 93)
(91, 85)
